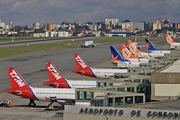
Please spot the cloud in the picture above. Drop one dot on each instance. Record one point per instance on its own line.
(25, 12)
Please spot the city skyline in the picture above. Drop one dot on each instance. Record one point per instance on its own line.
(55, 11)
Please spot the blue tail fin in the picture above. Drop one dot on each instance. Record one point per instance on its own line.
(92, 37)
(116, 56)
(150, 46)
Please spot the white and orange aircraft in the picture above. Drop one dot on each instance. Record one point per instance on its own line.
(84, 69)
(128, 55)
(58, 81)
(22, 89)
(138, 53)
(172, 43)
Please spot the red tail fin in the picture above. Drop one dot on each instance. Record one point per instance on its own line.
(16, 80)
(126, 53)
(133, 48)
(82, 67)
(80, 63)
(56, 78)
(54, 74)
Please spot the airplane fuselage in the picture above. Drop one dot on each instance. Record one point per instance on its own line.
(46, 94)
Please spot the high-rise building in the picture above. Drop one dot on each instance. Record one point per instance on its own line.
(156, 25)
(132, 25)
(49, 27)
(111, 22)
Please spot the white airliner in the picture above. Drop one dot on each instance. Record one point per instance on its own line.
(138, 53)
(172, 43)
(21, 88)
(84, 69)
(57, 79)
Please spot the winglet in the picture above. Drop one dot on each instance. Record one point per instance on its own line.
(126, 53)
(169, 39)
(133, 48)
(150, 46)
(116, 56)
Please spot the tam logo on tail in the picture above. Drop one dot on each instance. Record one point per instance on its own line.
(81, 62)
(17, 78)
(54, 72)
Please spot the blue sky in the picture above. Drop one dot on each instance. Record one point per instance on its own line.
(26, 12)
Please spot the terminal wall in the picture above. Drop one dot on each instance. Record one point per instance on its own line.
(116, 113)
(165, 86)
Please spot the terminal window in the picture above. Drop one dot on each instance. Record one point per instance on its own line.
(129, 100)
(110, 102)
(140, 89)
(88, 95)
(137, 80)
(119, 101)
(146, 80)
(117, 77)
(120, 89)
(100, 84)
(130, 89)
(79, 95)
(127, 80)
(138, 99)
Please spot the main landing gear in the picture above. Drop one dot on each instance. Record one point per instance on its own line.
(32, 103)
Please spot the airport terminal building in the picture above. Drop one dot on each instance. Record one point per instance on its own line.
(134, 95)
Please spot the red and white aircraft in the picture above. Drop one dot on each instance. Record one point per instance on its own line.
(84, 69)
(57, 80)
(138, 53)
(171, 42)
(21, 88)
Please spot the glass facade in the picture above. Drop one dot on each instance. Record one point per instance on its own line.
(137, 80)
(149, 73)
(119, 101)
(128, 100)
(100, 84)
(148, 90)
(117, 77)
(131, 70)
(141, 65)
(107, 84)
(79, 95)
(130, 89)
(140, 89)
(127, 80)
(111, 89)
(123, 76)
(88, 95)
(141, 73)
(138, 99)
(120, 89)
(146, 80)
(110, 101)
(137, 70)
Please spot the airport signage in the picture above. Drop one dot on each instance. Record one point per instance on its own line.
(131, 113)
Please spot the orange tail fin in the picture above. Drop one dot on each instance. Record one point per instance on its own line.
(133, 48)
